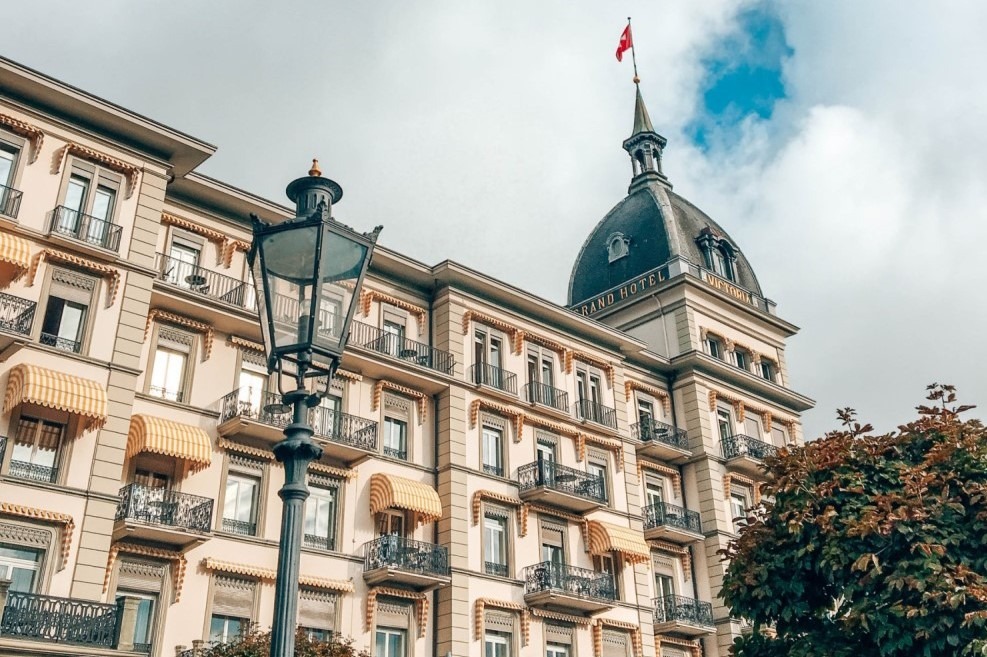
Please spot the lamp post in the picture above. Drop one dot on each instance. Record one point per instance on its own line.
(307, 272)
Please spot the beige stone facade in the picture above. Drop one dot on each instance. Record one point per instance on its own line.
(503, 476)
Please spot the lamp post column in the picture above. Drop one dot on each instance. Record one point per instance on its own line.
(296, 451)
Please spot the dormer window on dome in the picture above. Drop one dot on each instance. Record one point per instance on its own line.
(719, 255)
(618, 247)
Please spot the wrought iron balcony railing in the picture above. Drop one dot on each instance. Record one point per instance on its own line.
(319, 542)
(85, 228)
(740, 445)
(419, 353)
(649, 430)
(240, 527)
(568, 580)
(166, 393)
(205, 282)
(664, 514)
(32, 471)
(328, 424)
(166, 508)
(589, 410)
(60, 620)
(16, 314)
(396, 453)
(496, 470)
(563, 479)
(63, 344)
(405, 554)
(10, 201)
(680, 609)
(546, 395)
(493, 376)
(495, 568)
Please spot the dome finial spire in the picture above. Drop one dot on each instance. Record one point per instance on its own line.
(642, 122)
(645, 146)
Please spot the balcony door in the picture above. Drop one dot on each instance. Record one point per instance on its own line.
(553, 545)
(390, 523)
(487, 356)
(182, 266)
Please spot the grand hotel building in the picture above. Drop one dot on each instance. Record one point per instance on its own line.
(503, 476)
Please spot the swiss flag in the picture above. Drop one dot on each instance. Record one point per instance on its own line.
(626, 43)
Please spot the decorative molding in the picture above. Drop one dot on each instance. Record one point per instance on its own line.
(741, 407)
(516, 416)
(214, 236)
(682, 552)
(509, 329)
(105, 271)
(755, 486)
(637, 643)
(369, 296)
(132, 172)
(401, 390)
(421, 605)
(34, 134)
(522, 508)
(523, 336)
(583, 523)
(672, 473)
(582, 621)
(692, 645)
(609, 444)
(63, 519)
(177, 559)
(658, 393)
(199, 327)
(482, 603)
(589, 359)
(232, 246)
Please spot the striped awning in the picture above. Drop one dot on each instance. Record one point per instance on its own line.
(15, 258)
(393, 492)
(630, 543)
(169, 438)
(72, 394)
(270, 575)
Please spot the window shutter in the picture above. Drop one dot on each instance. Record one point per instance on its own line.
(558, 633)
(397, 407)
(394, 614)
(72, 286)
(233, 596)
(174, 339)
(137, 575)
(499, 621)
(552, 534)
(615, 644)
(317, 609)
(672, 652)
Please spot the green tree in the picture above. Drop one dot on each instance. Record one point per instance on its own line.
(869, 545)
(255, 643)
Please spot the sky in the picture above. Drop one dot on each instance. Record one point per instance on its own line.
(840, 143)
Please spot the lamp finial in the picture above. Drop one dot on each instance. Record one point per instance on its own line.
(315, 170)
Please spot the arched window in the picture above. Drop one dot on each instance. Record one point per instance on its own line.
(617, 247)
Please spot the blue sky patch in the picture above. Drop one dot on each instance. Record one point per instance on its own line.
(743, 76)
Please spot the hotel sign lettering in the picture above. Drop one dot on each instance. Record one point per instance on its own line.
(727, 288)
(625, 291)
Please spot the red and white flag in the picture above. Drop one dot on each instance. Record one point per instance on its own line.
(626, 43)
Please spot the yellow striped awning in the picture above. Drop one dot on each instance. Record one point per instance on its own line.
(270, 575)
(630, 543)
(393, 492)
(169, 438)
(15, 258)
(72, 394)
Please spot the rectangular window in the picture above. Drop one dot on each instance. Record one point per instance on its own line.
(487, 359)
(22, 566)
(240, 504)
(715, 348)
(86, 212)
(170, 370)
(66, 318)
(396, 438)
(181, 268)
(724, 422)
(556, 650)
(742, 359)
(767, 369)
(605, 563)
(739, 503)
(664, 585)
(252, 385)
(752, 427)
(496, 644)
(654, 493)
(779, 435)
(321, 509)
(598, 468)
(36, 447)
(232, 607)
(495, 543)
(393, 338)
(390, 642)
(10, 198)
(645, 412)
(317, 613)
(545, 450)
(493, 451)
(553, 543)
(390, 523)
(150, 479)
(144, 621)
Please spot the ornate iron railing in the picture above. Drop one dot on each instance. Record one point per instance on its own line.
(85, 228)
(561, 478)
(32, 471)
(419, 353)
(496, 470)
(741, 445)
(405, 554)
(569, 580)
(165, 393)
(239, 527)
(60, 620)
(64, 344)
(396, 453)
(319, 542)
(494, 568)
(142, 647)
(10, 201)
(589, 410)
(329, 425)
(663, 514)
(493, 376)
(653, 430)
(168, 508)
(540, 393)
(16, 314)
(680, 609)
(205, 282)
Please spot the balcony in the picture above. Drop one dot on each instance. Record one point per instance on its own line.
(550, 584)
(343, 437)
(483, 374)
(239, 527)
(397, 346)
(59, 620)
(598, 413)
(548, 482)
(546, 395)
(667, 522)
(10, 201)
(206, 283)
(494, 568)
(16, 314)
(161, 515)
(676, 614)
(66, 222)
(62, 344)
(397, 560)
(746, 454)
(661, 441)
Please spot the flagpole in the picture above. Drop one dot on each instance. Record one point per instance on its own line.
(633, 53)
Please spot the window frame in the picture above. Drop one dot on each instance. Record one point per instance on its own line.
(725, 413)
(504, 517)
(401, 409)
(547, 526)
(51, 285)
(210, 606)
(322, 482)
(746, 495)
(498, 426)
(242, 466)
(601, 460)
(97, 176)
(191, 356)
(63, 451)
(600, 562)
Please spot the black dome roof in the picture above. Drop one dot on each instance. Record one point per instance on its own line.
(657, 225)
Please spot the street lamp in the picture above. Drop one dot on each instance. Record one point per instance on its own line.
(307, 272)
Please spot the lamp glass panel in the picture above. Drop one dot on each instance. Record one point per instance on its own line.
(289, 261)
(342, 264)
